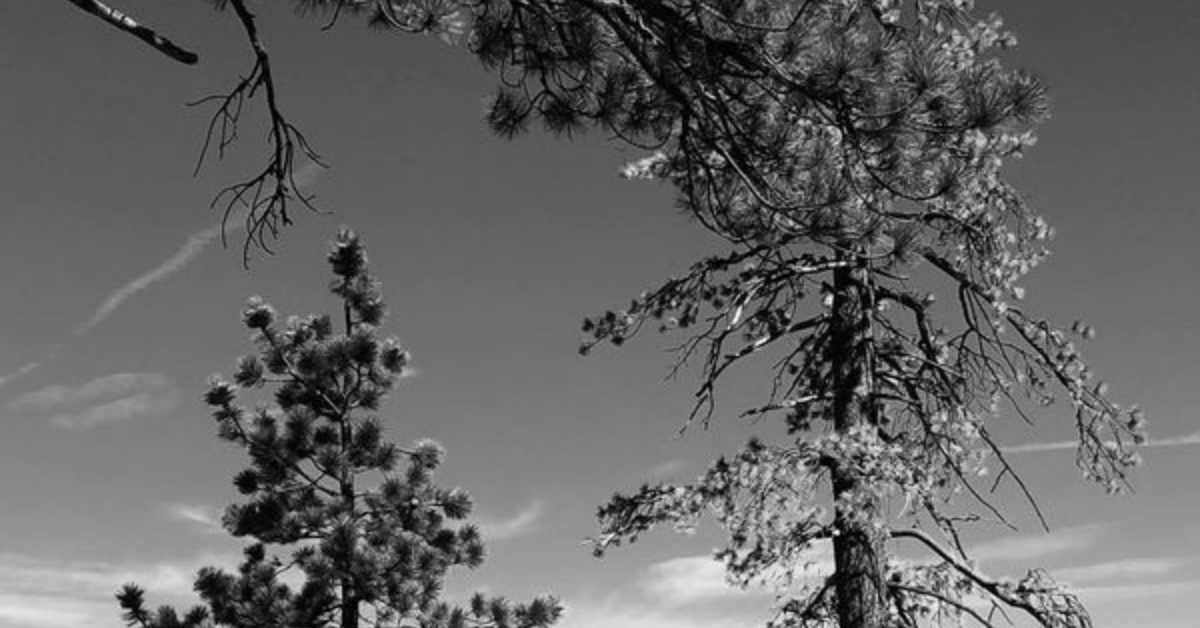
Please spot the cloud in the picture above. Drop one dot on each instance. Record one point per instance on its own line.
(1043, 446)
(141, 404)
(34, 611)
(618, 612)
(192, 247)
(107, 399)
(1125, 593)
(667, 469)
(25, 369)
(525, 521)
(1120, 569)
(117, 384)
(682, 592)
(688, 580)
(1185, 439)
(698, 579)
(45, 577)
(200, 515)
(47, 593)
(1035, 546)
(1174, 441)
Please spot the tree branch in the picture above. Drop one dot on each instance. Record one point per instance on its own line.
(262, 199)
(1003, 591)
(963, 608)
(126, 24)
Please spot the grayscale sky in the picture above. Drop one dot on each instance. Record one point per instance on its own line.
(119, 302)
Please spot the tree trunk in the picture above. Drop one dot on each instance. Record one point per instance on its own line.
(857, 546)
(349, 502)
(349, 596)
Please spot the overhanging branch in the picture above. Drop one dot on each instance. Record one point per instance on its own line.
(126, 24)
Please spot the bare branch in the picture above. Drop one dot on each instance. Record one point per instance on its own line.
(126, 24)
(264, 197)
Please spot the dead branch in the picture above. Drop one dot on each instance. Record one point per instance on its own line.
(126, 24)
(264, 197)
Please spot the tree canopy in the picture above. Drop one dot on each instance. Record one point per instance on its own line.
(371, 537)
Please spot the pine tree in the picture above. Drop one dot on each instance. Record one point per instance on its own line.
(369, 533)
(851, 154)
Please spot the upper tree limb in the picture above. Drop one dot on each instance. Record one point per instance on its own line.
(127, 24)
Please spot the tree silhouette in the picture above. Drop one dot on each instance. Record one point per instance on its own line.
(371, 537)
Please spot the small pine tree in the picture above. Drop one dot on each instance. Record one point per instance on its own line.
(365, 524)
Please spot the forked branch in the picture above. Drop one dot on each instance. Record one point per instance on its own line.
(262, 199)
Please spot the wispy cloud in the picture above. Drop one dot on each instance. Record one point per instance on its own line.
(1173, 441)
(117, 384)
(667, 469)
(191, 248)
(1042, 446)
(1036, 546)
(41, 611)
(699, 579)
(133, 406)
(46, 593)
(616, 611)
(1185, 439)
(1134, 568)
(525, 521)
(202, 516)
(1125, 593)
(107, 399)
(24, 370)
(688, 580)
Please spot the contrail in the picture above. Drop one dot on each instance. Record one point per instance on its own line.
(31, 366)
(1174, 441)
(195, 244)
(19, 373)
(191, 248)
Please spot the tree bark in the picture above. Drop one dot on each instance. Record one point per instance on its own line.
(346, 483)
(857, 545)
(349, 595)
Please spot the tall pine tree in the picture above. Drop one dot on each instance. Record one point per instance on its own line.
(368, 532)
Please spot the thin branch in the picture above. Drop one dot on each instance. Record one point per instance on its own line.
(998, 589)
(945, 600)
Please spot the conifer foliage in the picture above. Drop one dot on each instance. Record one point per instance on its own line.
(371, 537)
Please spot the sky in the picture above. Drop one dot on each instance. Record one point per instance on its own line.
(119, 301)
